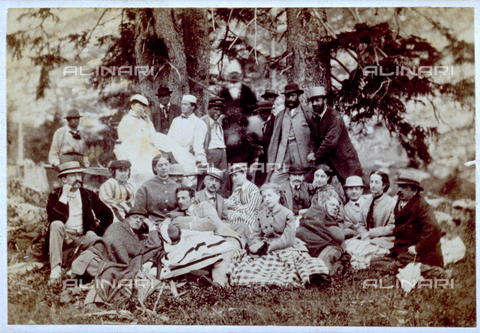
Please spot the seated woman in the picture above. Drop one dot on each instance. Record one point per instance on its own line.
(118, 255)
(157, 195)
(326, 185)
(118, 192)
(375, 225)
(274, 257)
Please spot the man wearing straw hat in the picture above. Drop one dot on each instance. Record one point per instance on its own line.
(70, 211)
(68, 144)
(213, 181)
(331, 143)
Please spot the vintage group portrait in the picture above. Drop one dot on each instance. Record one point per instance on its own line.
(191, 168)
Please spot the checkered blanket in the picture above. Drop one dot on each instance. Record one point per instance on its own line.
(287, 267)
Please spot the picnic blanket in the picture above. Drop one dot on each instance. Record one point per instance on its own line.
(362, 251)
(292, 266)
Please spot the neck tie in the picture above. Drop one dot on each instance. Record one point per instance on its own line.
(370, 221)
(75, 135)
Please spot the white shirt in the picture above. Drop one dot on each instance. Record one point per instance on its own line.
(190, 133)
(217, 140)
(75, 215)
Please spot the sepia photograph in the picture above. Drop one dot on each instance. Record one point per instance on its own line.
(236, 167)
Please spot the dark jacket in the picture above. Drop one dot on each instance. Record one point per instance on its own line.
(220, 204)
(161, 123)
(245, 102)
(332, 145)
(415, 224)
(301, 201)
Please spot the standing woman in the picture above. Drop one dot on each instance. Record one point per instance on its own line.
(379, 218)
(157, 195)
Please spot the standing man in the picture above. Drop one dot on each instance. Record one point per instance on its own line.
(331, 143)
(417, 233)
(189, 131)
(163, 118)
(68, 144)
(215, 147)
(270, 95)
(70, 211)
(213, 180)
(290, 142)
(297, 191)
(237, 95)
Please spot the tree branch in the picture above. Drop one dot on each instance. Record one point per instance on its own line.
(91, 33)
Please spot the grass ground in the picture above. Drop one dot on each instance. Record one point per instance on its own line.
(341, 302)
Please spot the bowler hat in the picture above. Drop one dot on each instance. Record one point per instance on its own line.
(216, 173)
(163, 91)
(264, 106)
(296, 169)
(354, 181)
(238, 167)
(409, 177)
(292, 88)
(73, 114)
(139, 98)
(216, 102)
(69, 167)
(137, 211)
(317, 92)
(269, 92)
(176, 170)
(120, 164)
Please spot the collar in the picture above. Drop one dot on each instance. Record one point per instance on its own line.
(187, 117)
(211, 121)
(71, 129)
(293, 186)
(209, 195)
(162, 106)
(275, 209)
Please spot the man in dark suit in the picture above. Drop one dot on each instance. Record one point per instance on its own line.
(70, 211)
(237, 95)
(213, 180)
(331, 143)
(163, 116)
(297, 192)
(417, 233)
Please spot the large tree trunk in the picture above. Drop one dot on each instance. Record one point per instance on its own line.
(165, 28)
(307, 69)
(197, 50)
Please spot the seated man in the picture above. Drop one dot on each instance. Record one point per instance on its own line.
(213, 181)
(417, 233)
(197, 250)
(244, 203)
(70, 211)
(355, 207)
(118, 192)
(297, 192)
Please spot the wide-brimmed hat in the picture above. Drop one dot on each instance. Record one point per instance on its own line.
(120, 164)
(317, 92)
(216, 173)
(409, 177)
(189, 98)
(292, 88)
(139, 98)
(163, 91)
(269, 92)
(176, 170)
(354, 181)
(69, 167)
(216, 102)
(264, 106)
(238, 167)
(137, 211)
(297, 169)
(73, 114)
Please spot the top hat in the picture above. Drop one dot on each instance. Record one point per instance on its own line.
(296, 169)
(292, 88)
(137, 211)
(120, 164)
(269, 92)
(216, 173)
(163, 91)
(69, 167)
(139, 98)
(354, 181)
(317, 92)
(238, 167)
(408, 177)
(73, 114)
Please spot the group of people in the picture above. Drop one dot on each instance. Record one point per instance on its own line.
(307, 220)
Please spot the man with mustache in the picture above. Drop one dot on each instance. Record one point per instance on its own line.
(297, 191)
(213, 181)
(70, 211)
(290, 141)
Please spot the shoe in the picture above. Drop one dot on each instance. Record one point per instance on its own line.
(55, 275)
(207, 282)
